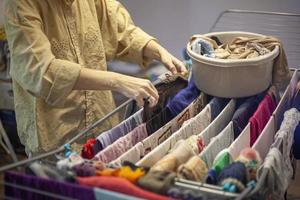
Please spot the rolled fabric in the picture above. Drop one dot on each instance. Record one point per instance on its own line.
(180, 154)
(195, 169)
(157, 181)
(252, 161)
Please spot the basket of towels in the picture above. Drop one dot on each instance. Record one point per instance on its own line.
(236, 64)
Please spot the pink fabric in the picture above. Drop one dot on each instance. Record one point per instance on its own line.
(121, 185)
(122, 145)
(261, 117)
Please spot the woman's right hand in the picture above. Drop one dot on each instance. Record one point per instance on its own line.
(136, 88)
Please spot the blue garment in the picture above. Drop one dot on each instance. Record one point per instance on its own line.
(244, 112)
(217, 105)
(101, 194)
(182, 99)
(296, 103)
(203, 47)
(126, 126)
(296, 147)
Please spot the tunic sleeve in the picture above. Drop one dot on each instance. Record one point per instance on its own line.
(33, 65)
(122, 39)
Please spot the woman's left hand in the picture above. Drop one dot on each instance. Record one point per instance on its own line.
(154, 51)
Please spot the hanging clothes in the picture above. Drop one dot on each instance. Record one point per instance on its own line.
(144, 147)
(265, 139)
(243, 113)
(240, 143)
(157, 116)
(217, 144)
(122, 145)
(107, 138)
(261, 117)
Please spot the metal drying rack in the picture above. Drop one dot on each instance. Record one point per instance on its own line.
(268, 23)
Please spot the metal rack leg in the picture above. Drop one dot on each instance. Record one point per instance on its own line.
(8, 144)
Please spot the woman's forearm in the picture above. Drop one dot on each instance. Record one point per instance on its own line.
(136, 88)
(90, 79)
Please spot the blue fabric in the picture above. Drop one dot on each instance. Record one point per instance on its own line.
(217, 105)
(244, 112)
(296, 103)
(211, 177)
(182, 99)
(203, 47)
(296, 147)
(101, 194)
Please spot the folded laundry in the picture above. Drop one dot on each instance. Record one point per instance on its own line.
(194, 169)
(51, 186)
(119, 185)
(125, 172)
(181, 153)
(157, 181)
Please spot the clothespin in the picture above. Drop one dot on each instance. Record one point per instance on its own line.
(68, 150)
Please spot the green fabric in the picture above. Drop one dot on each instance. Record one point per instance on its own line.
(222, 160)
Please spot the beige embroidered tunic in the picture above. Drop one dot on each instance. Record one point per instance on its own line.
(50, 41)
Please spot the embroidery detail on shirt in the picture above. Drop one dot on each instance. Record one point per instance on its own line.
(93, 47)
(59, 48)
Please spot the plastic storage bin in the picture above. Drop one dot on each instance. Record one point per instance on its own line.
(232, 78)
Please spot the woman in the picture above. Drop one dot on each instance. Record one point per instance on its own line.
(59, 50)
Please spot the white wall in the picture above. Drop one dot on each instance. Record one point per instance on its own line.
(174, 21)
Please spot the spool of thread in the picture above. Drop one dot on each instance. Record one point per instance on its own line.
(252, 160)
(233, 177)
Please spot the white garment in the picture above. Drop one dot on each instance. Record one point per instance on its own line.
(190, 127)
(186, 131)
(217, 144)
(147, 145)
(265, 139)
(278, 176)
(286, 132)
(241, 142)
(219, 123)
(282, 106)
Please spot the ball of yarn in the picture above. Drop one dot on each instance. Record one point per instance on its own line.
(221, 160)
(211, 177)
(252, 160)
(233, 177)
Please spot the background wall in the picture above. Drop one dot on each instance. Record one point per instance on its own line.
(1, 12)
(174, 21)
